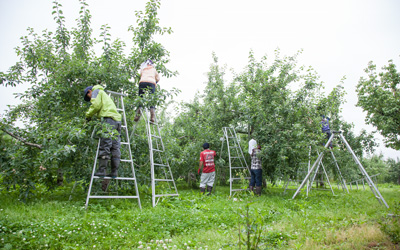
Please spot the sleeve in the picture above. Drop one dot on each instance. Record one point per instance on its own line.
(97, 102)
(201, 157)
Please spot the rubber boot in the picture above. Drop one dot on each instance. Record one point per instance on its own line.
(101, 172)
(202, 190)
(152, 115)
(138, 114)
(209, 189)
(114, 167)
(258, 191)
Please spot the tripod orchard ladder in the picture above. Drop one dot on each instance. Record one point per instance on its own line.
(237, 162)
(118, 98)
(316, 164)
(159, 166)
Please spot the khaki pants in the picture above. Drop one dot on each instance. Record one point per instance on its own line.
(207, 179)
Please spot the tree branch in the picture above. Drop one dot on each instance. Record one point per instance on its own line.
(23, 140)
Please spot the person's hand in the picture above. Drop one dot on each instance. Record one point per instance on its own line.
(198, 171)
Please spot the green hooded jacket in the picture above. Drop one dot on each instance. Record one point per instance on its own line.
(102, 105)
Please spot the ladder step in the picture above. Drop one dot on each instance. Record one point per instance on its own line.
(157, 150)
(120, 110)
(112, 197)
(155, 136)
(118, 178)
(236, 157)
(126, 160)
(124, 143)
(233, 190)
(238, 168)
(161, 195)
(163, 180)
(246, 178)
(161, 165)
(123, 126)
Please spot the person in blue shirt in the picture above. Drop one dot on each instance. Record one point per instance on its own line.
(325, 128)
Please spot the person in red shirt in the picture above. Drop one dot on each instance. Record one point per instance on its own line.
(208, 175)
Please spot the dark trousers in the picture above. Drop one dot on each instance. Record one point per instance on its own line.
(256, 177)
(328, 135)
(146, 86)
(109, 146)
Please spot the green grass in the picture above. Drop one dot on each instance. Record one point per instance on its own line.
(193, 221)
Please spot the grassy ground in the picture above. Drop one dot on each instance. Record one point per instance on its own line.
(193, 221)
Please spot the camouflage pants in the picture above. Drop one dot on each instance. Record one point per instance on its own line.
(108, 146)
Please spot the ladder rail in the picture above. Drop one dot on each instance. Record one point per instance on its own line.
(374, 189)
(129, 148)
(235, 155)
(343, 181)
(164, 165)
(91, 179)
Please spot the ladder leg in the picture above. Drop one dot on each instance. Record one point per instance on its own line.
(309, 173)
(344, 186)
(327, 178)
(91, 179)
(374, 189)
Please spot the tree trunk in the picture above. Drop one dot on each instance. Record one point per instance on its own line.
(60, 177)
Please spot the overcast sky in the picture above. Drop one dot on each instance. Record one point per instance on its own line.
(339, 38)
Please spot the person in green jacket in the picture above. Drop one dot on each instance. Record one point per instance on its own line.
(104, 108)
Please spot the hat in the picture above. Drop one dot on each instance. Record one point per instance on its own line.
(206, 145)
(85, 93)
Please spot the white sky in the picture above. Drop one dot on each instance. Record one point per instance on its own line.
(339, 37)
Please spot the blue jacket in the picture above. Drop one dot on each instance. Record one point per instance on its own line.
(325, 124)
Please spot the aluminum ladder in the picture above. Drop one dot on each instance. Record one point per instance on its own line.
(316, 164)
(118, 98)
(161, 174)
(238, 168)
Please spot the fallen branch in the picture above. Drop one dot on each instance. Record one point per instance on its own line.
(23, 140)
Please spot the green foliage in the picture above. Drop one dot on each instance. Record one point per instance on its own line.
(278, 103)
(391, 224)
(378, 95)
(58, 65)
(394, 171)
(192, 220)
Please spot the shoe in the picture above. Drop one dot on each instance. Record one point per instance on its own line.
(209, 189)
(101, 172)
(152, 115)
(258, 191)
(202, 190)
(138, 114)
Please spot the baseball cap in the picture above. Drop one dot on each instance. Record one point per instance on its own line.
(85, 93)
